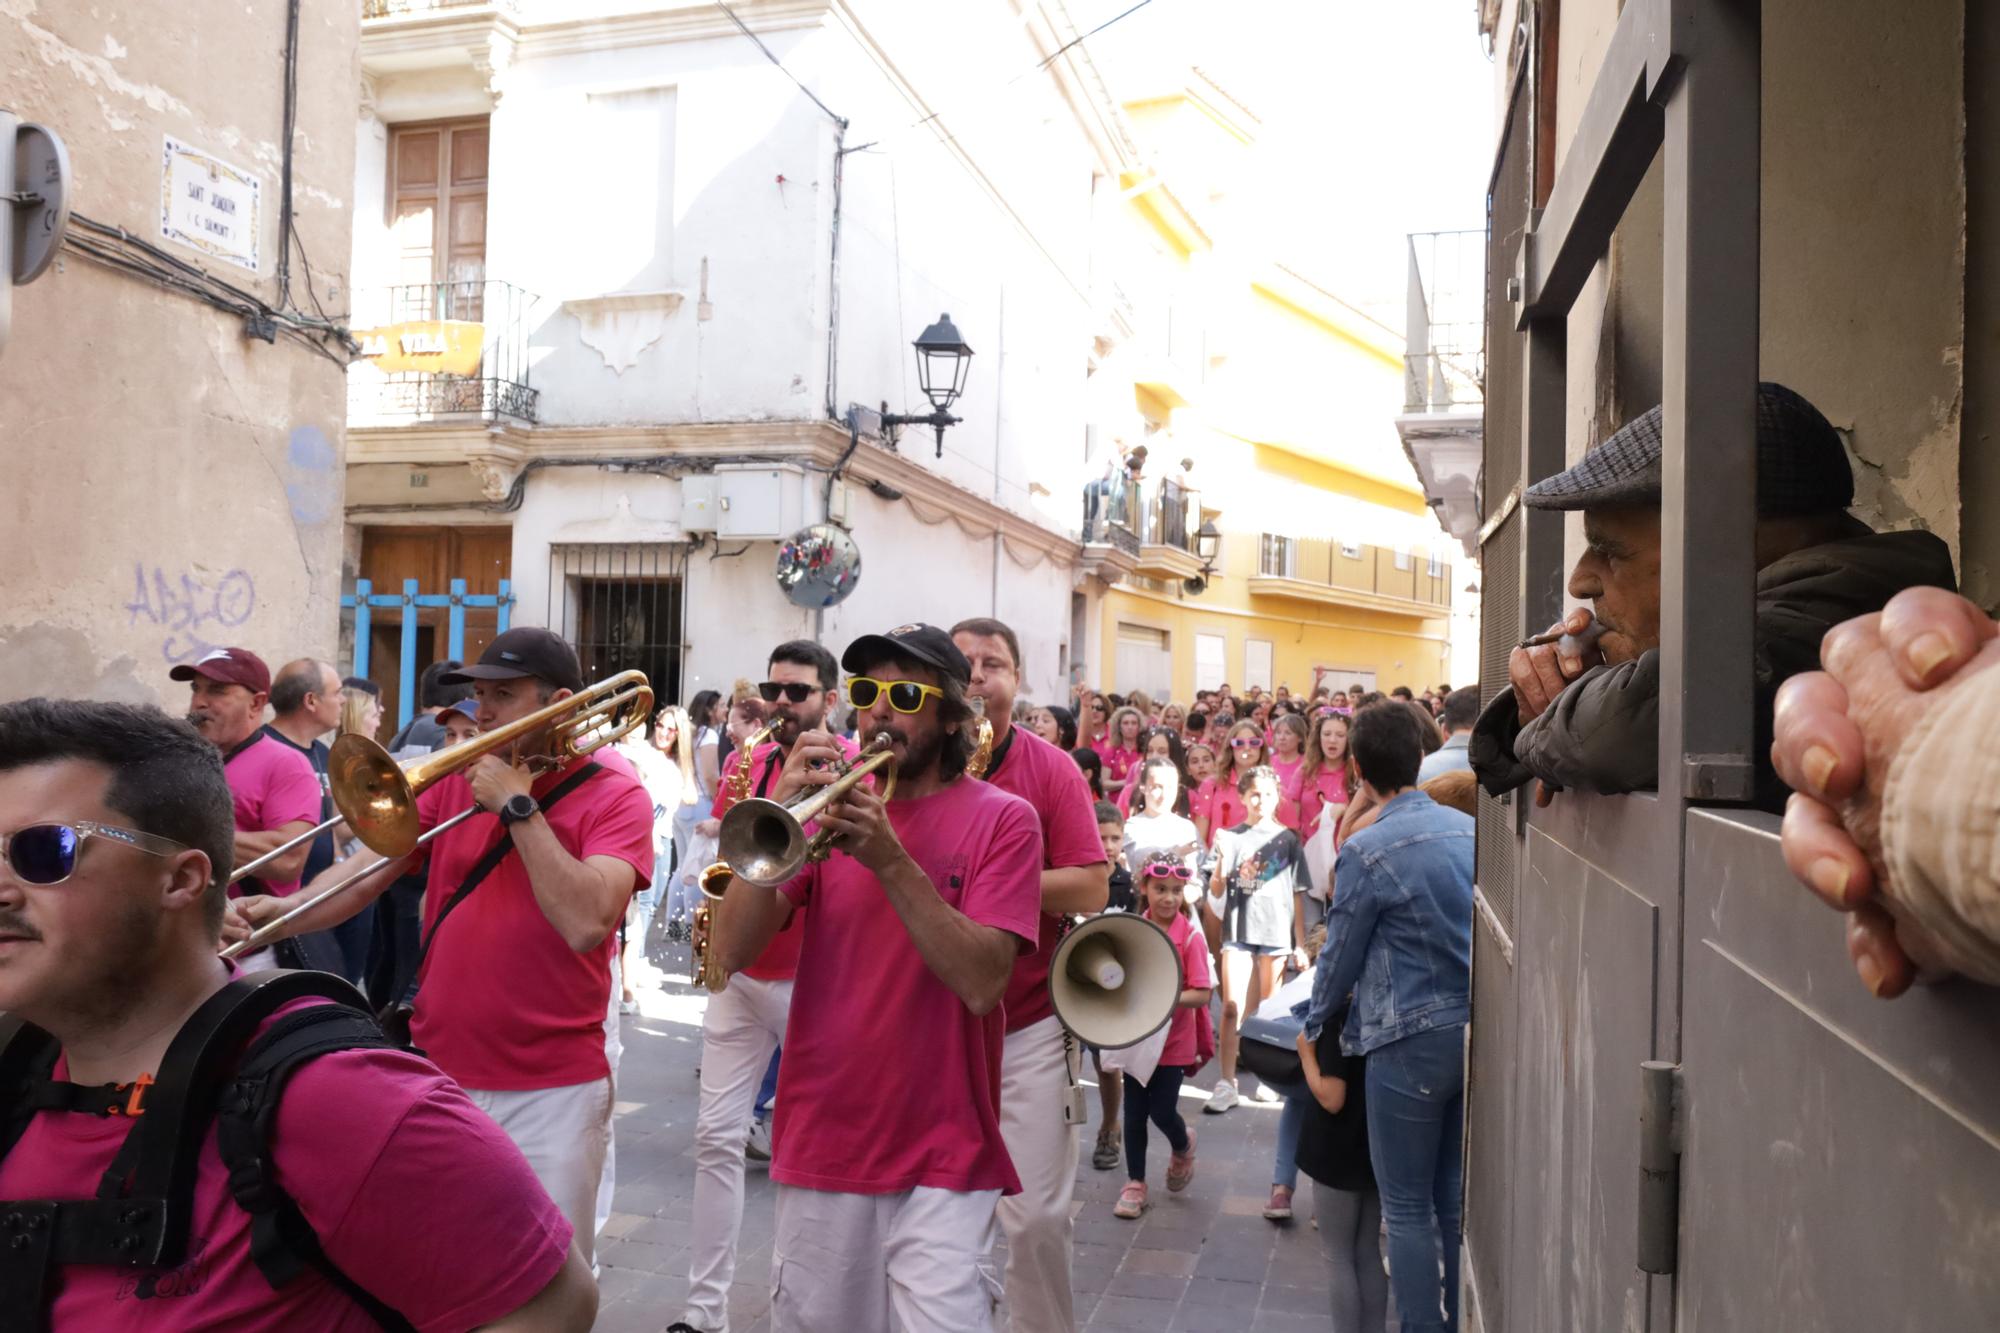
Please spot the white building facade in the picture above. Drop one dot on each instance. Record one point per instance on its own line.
(622, 269)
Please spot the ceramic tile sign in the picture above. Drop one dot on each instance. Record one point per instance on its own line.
(210, 205)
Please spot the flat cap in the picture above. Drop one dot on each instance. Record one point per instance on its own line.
(1802, 466)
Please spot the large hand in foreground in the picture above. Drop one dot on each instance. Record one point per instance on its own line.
(1837, 734)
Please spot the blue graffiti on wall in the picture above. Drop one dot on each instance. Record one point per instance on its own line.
(190, 608)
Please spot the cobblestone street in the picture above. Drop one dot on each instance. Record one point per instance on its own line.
(1203, 1260)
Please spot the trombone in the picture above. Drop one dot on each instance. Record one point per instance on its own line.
(378, 796)
(764, 842)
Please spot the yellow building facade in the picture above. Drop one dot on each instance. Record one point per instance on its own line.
(1267, 408)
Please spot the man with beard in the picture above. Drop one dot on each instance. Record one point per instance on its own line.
(512, 990)
(889, 1155)
(115, 840)
(1036, 1071)
(1584, 712)
(274, 788)
(745, 1024)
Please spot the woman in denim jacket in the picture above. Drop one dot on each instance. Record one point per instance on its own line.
(1399, 938)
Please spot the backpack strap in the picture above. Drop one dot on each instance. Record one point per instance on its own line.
(282, 1242)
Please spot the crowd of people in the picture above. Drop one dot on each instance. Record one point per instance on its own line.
(184, 918)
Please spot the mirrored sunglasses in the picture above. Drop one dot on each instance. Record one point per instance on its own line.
(46, 854)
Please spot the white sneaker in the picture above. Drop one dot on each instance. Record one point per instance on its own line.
(757, 1147)
(1264, 1093)
(1224, 1098)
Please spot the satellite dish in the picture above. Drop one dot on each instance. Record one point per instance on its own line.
(1194, 587)
(818, 566)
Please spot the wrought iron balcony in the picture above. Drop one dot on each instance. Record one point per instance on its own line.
(1112, 514)
(442, 351)
(1445, 332)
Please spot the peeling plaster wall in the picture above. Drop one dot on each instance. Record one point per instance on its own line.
(167, 485)
(1863, 246)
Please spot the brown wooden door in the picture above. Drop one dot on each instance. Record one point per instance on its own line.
(433, 556)
(437, 213)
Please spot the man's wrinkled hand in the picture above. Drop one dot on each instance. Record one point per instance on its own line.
(1837, 733)
(1541, 673)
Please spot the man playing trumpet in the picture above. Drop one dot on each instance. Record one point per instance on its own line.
(512, 990)
(888, 1153)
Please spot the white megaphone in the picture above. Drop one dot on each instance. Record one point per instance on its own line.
(1115, 980)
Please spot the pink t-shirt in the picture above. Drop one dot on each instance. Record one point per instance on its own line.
(1118, 761)
(272, 785)
(1193, 946)
(780, 959)
(1050, 782)
(1327, 787)
(889, 1082)
(414, 1193)
(1288, 789)
(505, 1004)
(1225, 805)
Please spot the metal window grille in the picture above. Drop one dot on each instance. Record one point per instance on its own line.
(623, 606)
(1275, 556)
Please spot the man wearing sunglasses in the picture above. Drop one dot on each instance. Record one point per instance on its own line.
(512, 988)
(745, 1024)
(1036, 1075)
(889, 1154)
(116, 836)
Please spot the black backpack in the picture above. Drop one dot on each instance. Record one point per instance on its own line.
(212, 1074)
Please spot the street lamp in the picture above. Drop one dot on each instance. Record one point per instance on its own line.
(1207, 541)
(942, 361)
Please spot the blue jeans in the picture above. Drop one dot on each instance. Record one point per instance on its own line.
(769, 1088)
(1416, 1116)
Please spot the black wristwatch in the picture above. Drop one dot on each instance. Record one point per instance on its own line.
(517, 809)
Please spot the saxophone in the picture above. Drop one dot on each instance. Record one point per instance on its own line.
(714, 879)
(982, 752)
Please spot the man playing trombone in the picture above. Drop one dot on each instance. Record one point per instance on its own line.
(512, 990)
(888, 1153)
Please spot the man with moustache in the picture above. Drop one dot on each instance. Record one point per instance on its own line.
(746, 1022)
(1036, 1071)
(889, 1156)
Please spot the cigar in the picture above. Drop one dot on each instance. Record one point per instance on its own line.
(1584, 638)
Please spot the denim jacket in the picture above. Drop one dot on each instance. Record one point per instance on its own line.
(1399, 932)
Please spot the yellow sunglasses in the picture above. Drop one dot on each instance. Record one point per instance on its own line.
(905, 696)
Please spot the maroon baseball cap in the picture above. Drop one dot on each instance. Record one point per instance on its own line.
(231, 666)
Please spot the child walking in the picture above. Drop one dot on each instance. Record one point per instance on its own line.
(1163, 898)
(1333, 1151)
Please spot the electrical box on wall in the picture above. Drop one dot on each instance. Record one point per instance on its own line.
(698, 507)
(758, 503)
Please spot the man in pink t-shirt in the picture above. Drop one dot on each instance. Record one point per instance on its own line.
(744, 1024)
(1037, 1072)
(118, 834)
(513, 989)
(889, 1156)
(273, 786)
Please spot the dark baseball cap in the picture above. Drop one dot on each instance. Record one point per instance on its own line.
(1802, 465)
(230, 666)
(915, 642)
(524, 651)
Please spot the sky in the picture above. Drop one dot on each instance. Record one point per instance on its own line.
(1377, 118)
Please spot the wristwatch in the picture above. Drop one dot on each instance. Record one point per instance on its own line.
(518, 808)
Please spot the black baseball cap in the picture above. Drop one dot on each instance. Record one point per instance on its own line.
(525, 651)
(917, 642)
(1802, 465)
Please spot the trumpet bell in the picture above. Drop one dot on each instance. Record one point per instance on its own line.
(374, 794)
(1115, 980)
(761, 842)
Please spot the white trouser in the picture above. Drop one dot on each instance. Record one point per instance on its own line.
(840, 1263)
(740, 1029)
(563, 1132)
(614, 1046)
(1034, 1090)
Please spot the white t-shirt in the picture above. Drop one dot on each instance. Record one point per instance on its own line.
(1160, 833)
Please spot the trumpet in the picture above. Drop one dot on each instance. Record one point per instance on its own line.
(764, 842)
(378, 796)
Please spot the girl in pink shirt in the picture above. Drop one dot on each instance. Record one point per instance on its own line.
(1288, 756)
(1200, 773)
(1326, 780)
(1093, 719)
(1225, 806)
(1120, 750)
(1163, 898)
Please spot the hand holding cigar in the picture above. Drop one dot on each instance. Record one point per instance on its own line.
(1543, 666)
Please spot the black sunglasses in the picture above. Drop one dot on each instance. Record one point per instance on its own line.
(794, 691)
(46, 853)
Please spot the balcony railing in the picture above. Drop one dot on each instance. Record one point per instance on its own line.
(1445, 349)
(1379, 571)
(1111, 513)
(382, 9)
(1172, 514)
(485, 322)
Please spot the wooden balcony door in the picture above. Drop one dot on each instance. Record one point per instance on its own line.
(437, 213)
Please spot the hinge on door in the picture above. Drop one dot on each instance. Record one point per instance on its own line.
(1659, 1166)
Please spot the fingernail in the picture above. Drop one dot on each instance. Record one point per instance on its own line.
(1927, 653)
(1870, 972)
(1820, 763)
(1830, 877)
(1571, 664)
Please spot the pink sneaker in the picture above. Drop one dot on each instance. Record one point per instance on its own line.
(1131, 1200)
(1180, 1166)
